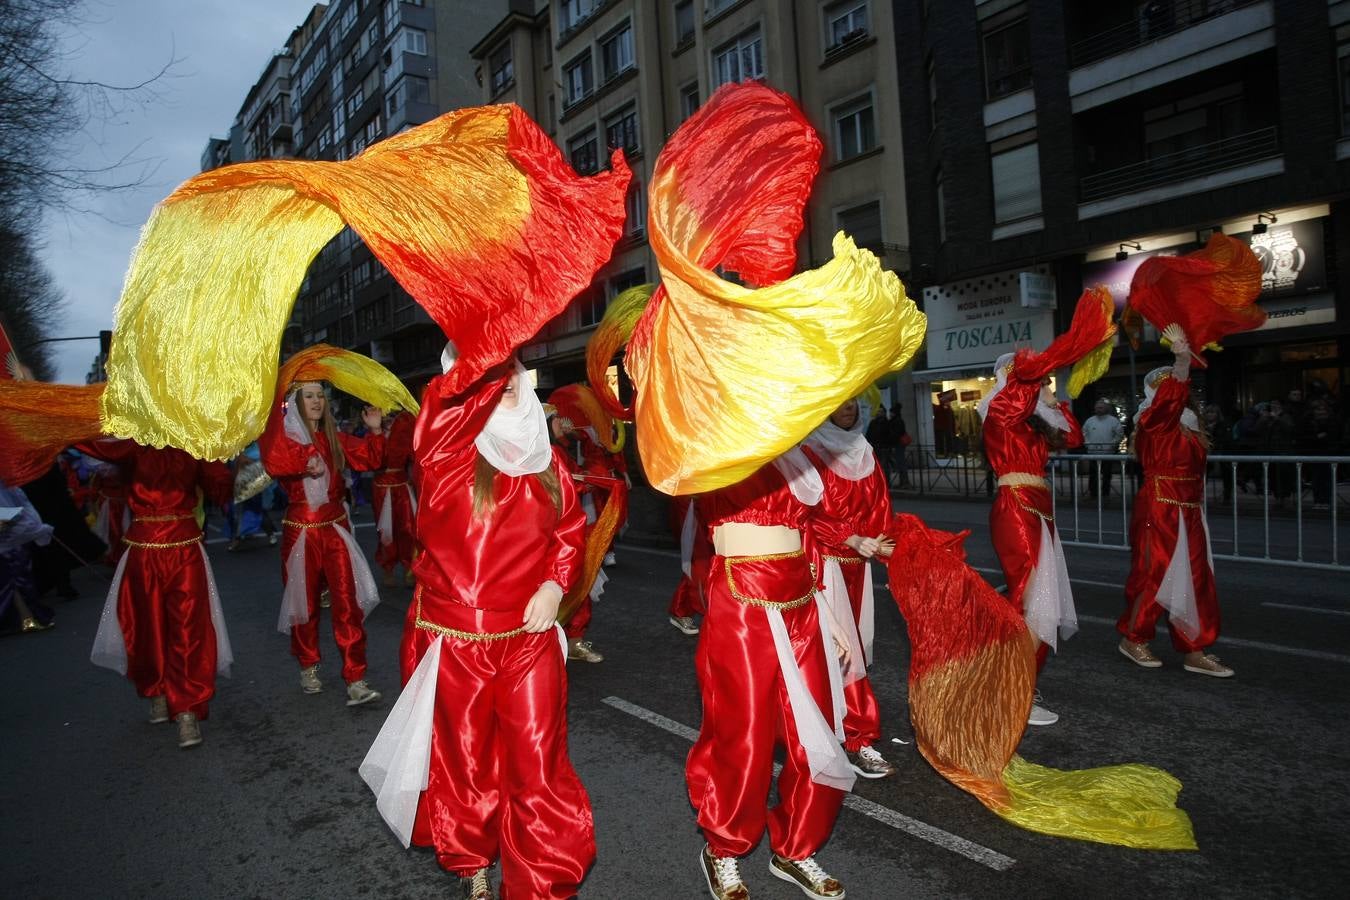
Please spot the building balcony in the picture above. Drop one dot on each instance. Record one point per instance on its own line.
(1233, 160)
(1144, 52)
(279, 129)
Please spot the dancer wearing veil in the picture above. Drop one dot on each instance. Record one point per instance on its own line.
(303, 450)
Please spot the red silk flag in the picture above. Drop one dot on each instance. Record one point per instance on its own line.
(1210, 293)
(9, 359)
(476, 214)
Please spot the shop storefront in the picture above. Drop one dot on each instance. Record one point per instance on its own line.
(970, 324)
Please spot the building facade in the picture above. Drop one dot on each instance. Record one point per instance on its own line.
(600, 76)
(1124, 129)
(354, 72)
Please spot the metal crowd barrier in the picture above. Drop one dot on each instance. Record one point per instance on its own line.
(1282, 510)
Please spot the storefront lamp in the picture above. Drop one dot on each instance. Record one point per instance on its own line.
(1262, 223)
(1122, 254)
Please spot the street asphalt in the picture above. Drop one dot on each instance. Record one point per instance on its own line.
(100, 804)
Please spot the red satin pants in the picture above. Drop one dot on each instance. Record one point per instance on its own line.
(501, 783)
(1016, 533)
(746, 714)
(1153, 538)
(164, 609)
(328, 565)
(400, 549)
(581, 619)
(862, 715)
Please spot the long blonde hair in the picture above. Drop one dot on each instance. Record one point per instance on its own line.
(328, 423)
(485, 488)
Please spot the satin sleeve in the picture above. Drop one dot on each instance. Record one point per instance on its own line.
(114, 450)
(877, 494)
(280, 454)
(363, 453)
(216, 482)
(447, 425)
(1074, 436)
(1015, 403)
(825, 521)
(569, 539)
(398, 442)
(1169, 401)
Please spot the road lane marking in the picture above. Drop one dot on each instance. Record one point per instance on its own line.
(922, 830)
(1251, 645)
(1316, 609)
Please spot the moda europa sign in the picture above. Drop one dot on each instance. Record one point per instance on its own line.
(974, 321)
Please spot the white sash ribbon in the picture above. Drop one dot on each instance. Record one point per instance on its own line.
(835, 591)
(1047, 604)
(1176, 592)
(295, 597)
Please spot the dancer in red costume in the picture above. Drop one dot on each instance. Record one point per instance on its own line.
(1171, 569)
(766, 672)
(847, 531)
(695, 551)
(482, 720)
(1023, 423)
(569, 441)
(395, 503)
(303, 450)
(162, 625)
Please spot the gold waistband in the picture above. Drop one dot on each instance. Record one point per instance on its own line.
(780, 605)
(175, 518)
(1016, 491)
(1184, 504)
(1175, 477)
(845, 560)
(456, 633)
(1023, 479)
(745, 539)
(393, 485)
(161, 545)
(294, 524)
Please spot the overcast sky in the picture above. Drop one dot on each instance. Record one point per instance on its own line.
(223, 46)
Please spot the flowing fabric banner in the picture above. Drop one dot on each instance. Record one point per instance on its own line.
(476, 214)
(972, 675)
(729, 376)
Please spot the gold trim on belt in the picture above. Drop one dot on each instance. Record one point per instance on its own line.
(394, 485)
(1184, 504)
(295, 524)
(456, 633)
(729, 561)
(845, 559)
(175, 518)
(158, 545)
(1016, 491)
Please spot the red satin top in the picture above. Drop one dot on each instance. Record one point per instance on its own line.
(497, 562)
(595, 459)
(1011, 444)
(285, 459)
(1161, 445)
(847, 508)
(162, 492)
(398, 446)
(762, 499)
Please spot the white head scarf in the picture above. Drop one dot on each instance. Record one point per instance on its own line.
(845, 451)
(1189, 419)
(516, 440)
(802, 478)
(316, 489)
(1051, 415)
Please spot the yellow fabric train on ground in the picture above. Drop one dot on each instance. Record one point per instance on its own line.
(476, 214)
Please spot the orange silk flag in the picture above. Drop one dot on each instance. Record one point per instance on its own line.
(39, 420)
(1210, 293)
(476, 214)
(728, 376)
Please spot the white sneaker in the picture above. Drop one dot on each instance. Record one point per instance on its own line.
(808, 875)
(1039, 715)
(609, 558)
(868, 763)
(159, 710)
(685, 624)
(723, 874)
(189, 732)
(309, 680)
(358, 692)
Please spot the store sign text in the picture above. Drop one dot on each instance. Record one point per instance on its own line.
(988, 335)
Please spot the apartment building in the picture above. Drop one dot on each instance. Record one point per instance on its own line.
(600, 76)
(354, 72)
(1052, 145)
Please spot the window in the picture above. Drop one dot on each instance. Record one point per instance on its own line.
(578, 80)
(855, 131)
(621, 131)
(582, 152)
(348, 20)
(1007, 59)
(572, 13)
(591, 305)
(391, 9)
(932, 94)
(684, 23)
(616, 52)
(1343, 67)
(355, 99)
(862, 223)
(325, 139)
(413, 40)
(845, 22)
(688, 100)
(635, 208)
(408, 89)
(1017, 183)
(500, 66)
(740, 60)
(716, 6)
(374, 128)
(625, 280)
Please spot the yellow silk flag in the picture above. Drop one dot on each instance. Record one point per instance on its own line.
(476, 214)
(729, 377)
(349, 372)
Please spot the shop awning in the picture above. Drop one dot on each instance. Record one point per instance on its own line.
(954, 373)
